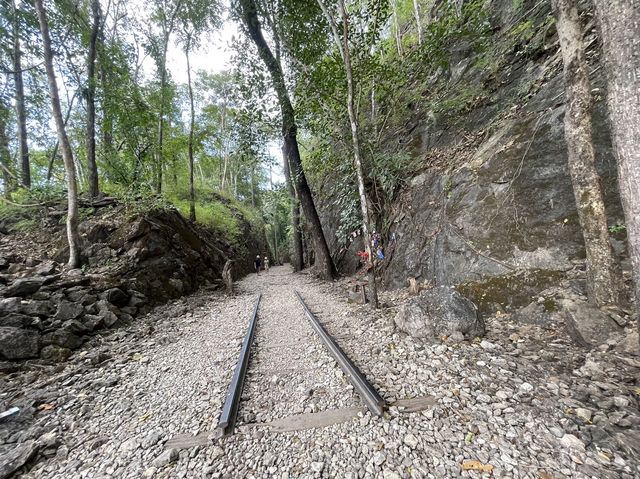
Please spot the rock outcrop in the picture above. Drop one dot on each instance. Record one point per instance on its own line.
(490, 203)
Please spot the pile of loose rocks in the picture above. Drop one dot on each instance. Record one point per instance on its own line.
(46, 312)
(131, 260)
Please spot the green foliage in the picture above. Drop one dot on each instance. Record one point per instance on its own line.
(26, 208)
(618, 228)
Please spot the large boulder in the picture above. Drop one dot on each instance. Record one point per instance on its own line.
(437, 312)
(18, 343)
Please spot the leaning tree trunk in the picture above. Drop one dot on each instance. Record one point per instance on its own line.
(70, 170)
(21, 111)
(324, 262)
(298, 253)
(619, 22)
(604, 281)
(192, 191)
(92, 167)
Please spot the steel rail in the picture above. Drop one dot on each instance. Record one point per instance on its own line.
(367, 392)
(227, 419)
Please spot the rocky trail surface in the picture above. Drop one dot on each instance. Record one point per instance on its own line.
(142, 401)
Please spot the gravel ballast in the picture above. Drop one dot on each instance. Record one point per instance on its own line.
(521, 403)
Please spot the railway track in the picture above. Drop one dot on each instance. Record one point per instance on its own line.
(368, 394)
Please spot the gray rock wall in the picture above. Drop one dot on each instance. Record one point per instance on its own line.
(492, 197)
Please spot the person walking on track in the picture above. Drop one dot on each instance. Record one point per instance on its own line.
(257, 264)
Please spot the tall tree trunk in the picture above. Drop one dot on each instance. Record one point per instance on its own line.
(192, 191)
(416, 13)
(296, 235)
(163, 81)
(619, 22)
(21, 111)
(396, 27)
(54, 152)
(107, 116)
(92, 167)
(604, 281)
(167, 29)
(324, 262)
(5, 155)
(72, 190)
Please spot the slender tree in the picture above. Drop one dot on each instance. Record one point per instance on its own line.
(416, 14)
(92, 168)
(324, 262)
(167, 13)
(5, 155)
(67, 156)
(619, 22)
(342, 43)
(21, 109)
(604, 281)
(192, 119)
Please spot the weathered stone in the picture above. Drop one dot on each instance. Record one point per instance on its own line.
(16, 458)
(572, 442)
(18, 343)
(586, 324)
(55, 353)
(116, 297)
(16, 320)
(108, 318)
(138, 299)
(67, 310)
(71, 280)
(75, 326)
(63, 338)
(92, 321)
(9, 305)
(46, 268)
(104, 305)
(584, 414)
(42, 309)
(25, 286)
(439, 312)
(131, 310)
(538, 313)
(76, 293)
(168, 456)
(630, 344)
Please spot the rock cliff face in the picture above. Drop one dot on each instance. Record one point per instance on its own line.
(492, 197)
